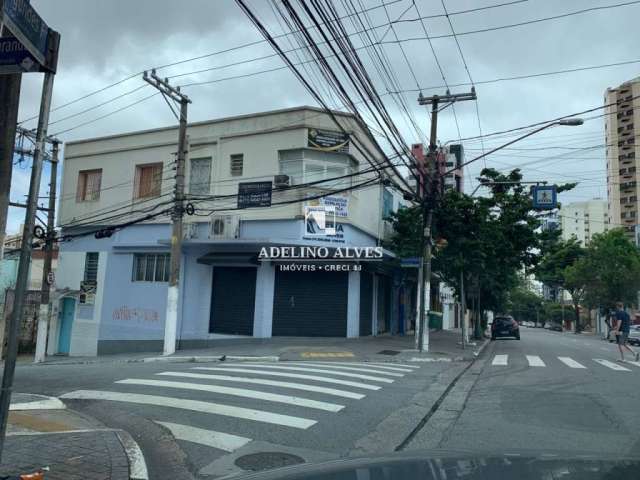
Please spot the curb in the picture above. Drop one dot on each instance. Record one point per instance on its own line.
(170, 359)
(137, 463)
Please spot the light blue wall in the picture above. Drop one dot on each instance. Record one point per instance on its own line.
(195, 301)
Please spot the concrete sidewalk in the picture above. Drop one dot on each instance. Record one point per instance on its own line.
(70, 445)
(444, 345)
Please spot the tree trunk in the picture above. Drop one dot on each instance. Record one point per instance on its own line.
(576, 307)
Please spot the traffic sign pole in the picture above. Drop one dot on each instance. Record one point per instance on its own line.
(25, 257)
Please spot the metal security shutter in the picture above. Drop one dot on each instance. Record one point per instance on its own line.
(233, 300)
(366, 303)
(384, 303)
(310, 304)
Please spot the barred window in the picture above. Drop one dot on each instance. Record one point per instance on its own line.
(150, 267)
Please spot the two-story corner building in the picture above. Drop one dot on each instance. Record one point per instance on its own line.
(113, 290)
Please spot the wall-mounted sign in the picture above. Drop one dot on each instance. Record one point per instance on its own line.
(27, 26)
(328, 141)
(254, 194)
(338, 203)
(544, 197)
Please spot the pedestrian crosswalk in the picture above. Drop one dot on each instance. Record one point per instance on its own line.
(503, 360)
(293, 395)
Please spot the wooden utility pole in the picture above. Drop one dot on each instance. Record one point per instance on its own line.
(46, 307)
(430, 176)
(173, 293)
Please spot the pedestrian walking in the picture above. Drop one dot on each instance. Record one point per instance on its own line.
(621, 328)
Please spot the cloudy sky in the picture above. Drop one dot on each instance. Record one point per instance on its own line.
(106, 41)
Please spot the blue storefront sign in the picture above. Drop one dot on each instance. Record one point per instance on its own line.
(410, 262)
(27, 26)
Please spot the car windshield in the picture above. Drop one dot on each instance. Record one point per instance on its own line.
(238, 235)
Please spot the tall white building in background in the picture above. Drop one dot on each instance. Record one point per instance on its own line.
(584, 219)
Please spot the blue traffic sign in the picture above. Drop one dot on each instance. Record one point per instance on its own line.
(544, 197)
(14, 58)
(27, 26)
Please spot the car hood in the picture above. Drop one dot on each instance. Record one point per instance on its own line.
(448, 465)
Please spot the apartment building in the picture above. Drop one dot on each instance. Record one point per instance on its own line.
(584, 219)
(117, 278)
(622, 129)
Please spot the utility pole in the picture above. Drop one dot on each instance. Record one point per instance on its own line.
(173, 293)
(428, 193)
(463, 309)
(25, 255)
(46, 307)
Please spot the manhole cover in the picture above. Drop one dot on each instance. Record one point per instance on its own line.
(255, 462)
(388, 352)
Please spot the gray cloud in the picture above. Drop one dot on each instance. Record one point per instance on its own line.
(104, 41)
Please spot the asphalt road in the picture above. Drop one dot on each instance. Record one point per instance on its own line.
(195, 418)
(549, 392)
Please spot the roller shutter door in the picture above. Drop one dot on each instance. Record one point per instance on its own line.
(366, 303)
(310, 304)
(233, 300)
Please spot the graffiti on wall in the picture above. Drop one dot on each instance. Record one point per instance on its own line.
(136, 314)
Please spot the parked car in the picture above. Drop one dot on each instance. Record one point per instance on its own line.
(505, 326)
(634, 335)
(556, 327)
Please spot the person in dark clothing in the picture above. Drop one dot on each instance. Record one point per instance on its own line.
(621, 329)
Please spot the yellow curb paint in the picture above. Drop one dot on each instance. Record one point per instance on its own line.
(35, 423)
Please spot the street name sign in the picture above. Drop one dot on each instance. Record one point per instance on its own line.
(410, 262)
(27, 26)
(15, 58)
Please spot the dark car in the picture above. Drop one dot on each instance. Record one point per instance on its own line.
(556, 327)
(505, 326)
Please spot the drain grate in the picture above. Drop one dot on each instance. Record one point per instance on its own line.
(255, 462)
(388, 352)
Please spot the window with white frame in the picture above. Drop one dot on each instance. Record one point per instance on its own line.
(305, 166)
(200, 176)
(150, 267)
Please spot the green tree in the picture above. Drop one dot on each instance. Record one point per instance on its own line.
(524, 304)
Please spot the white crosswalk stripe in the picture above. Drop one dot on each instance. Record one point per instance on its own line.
(570, 362)
(637, 364)
(500, 360)
(395, 367)
(194, 405)
(239, 392)
(271, 383)
(321, 370)
(535, 361)
(611, 365)
(300, 376)
(210, 438)
(353, 369)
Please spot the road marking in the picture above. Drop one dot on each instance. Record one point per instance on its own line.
(637, 364)
(401, 368)
(570, 362)
(341, 367)
(193, 405)
(611, 365)
(404, 365)
(49, 403)
(320, 370)
(273, 383)
(535, 361)
(210, 438)
(238, 392)
(293, 375)
(500, 360)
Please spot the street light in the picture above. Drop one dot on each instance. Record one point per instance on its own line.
(568, 122)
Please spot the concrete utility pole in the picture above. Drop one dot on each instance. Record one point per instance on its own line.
(173, 294)
(25, 255)
(429, 192)
(46, 307)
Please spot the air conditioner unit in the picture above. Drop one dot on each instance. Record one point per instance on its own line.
(190, 231)
(280, 181)
(224, 227)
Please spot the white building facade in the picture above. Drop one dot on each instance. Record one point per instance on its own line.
(584, 219)
(226, 291)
